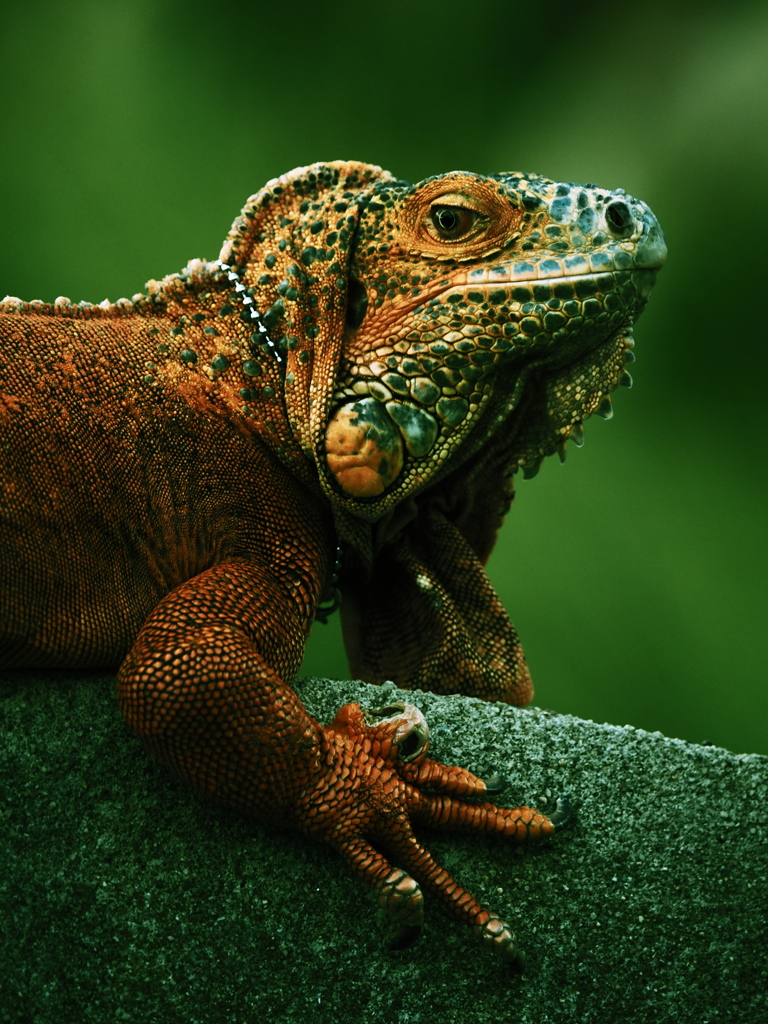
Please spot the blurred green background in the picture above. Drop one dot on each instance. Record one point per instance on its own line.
(133, 131)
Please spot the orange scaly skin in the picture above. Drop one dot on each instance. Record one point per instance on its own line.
(368, 362)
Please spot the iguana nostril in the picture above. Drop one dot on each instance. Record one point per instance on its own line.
(619, 219)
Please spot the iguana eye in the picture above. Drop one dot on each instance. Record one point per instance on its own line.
(452, 222)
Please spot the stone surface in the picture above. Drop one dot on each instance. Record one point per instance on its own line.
(125, 897)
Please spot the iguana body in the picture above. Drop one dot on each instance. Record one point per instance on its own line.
(367, 363)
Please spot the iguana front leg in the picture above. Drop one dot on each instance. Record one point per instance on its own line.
(203, 688)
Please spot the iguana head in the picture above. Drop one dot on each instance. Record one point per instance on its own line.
(422, 324)
(481, 307)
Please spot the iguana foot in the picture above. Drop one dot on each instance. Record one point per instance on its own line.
(376, 785)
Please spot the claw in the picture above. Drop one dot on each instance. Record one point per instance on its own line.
(397, 732)
(494, 784)
(411, 737)
(562, 812)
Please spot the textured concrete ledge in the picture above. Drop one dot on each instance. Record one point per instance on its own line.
(124, 897)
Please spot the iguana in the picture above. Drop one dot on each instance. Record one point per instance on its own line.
(339, 401)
